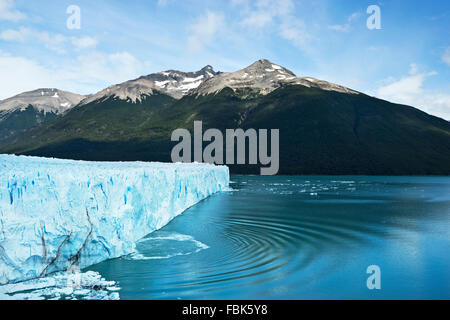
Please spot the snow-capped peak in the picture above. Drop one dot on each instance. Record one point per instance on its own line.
(264, 77)
(171, 82)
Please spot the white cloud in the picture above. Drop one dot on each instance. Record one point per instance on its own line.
(98, 70)
(21, 74)
(7, 11)
(403, 89)
(239, 2)
(340, 27)
(55, 42)
(91, 72)
(265, 12)
(347, 26)
(409, 90)
(84, 42)
(15, 35)
(354, 16)
(205, 30)
(278, 15)
(258, 19)
(294, 30)
(446, 56)
(413, 69)
(162, 3)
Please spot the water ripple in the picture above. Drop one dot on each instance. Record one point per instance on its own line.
(264, 230)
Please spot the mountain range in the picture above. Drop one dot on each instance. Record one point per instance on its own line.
(324, 128)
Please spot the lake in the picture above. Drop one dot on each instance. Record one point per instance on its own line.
(292, 237)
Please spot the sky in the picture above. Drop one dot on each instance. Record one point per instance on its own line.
(406, 61)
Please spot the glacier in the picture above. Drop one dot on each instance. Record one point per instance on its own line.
(55, 214)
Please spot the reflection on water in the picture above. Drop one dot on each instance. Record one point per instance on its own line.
(298, 238)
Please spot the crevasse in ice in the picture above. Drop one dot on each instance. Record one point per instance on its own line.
(58, 213)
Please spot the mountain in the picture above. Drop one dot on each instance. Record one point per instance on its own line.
(172, 83)
(324, 128)
(46, 100)
(263, 77)
(30, 109)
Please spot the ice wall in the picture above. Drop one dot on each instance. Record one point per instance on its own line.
(55, 214)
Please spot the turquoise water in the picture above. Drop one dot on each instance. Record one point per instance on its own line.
(299, 238)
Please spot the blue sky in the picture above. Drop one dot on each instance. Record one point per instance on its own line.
(406, 61)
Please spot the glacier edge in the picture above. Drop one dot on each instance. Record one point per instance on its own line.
(55, 214)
